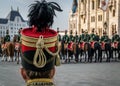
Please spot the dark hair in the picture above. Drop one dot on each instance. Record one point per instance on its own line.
(41, 14)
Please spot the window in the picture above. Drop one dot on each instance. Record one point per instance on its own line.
(17, 19)
(98, 3)
(99, 17)
(113, 13)
(11, 28)
(92, 18)
(93, 5)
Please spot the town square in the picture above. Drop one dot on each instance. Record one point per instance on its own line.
(59, 42)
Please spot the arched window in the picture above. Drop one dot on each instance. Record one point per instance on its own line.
(93, 5)
(113, 13)
(98, 3)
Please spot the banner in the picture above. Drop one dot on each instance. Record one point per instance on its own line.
(104, 4)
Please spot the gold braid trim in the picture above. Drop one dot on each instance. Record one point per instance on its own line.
(40, 82)
(34, 44)
(32, 39)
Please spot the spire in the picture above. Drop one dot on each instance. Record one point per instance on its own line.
(11, 8)
(74, 7)
(18, 9)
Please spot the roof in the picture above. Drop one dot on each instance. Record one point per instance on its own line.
(3, 21)
(11, 16)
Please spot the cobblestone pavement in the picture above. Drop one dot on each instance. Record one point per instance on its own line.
(81, 74)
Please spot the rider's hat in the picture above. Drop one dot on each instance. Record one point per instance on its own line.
(39, 42)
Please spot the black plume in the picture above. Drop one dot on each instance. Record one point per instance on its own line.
(41, 14)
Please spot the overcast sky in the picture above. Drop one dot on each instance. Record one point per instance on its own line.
(60, 21)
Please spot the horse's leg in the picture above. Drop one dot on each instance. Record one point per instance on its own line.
(3, 56)
(65, 55)
(18, 57)
(95, 51)
(80, 52)
(100, 55)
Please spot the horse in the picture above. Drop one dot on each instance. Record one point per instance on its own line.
(115, 49)
(106, 46)
(63, 50)
(96, 49)
(73, 51)
(84, 49)
(119, 50)
(17, 48)
(7, 50)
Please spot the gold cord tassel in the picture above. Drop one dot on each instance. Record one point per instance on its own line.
(39, 57)
(57, 60)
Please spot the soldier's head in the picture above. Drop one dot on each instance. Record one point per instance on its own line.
(58, 29)
(7, 32)
(76, 32)
(41, 14)
(71, 32)
(86, 32)
(65, 31)
(93, 30)
(19, 31)
(104, 33)
(82, 31)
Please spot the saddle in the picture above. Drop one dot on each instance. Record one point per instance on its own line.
(82, 44)
(115, 44)
(70, 46)
(103, 45)
(17, 46)
(92, 44)
(4, 46)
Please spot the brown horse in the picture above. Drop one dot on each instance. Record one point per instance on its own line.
(17, 48)
(85, 47)
(7, 50)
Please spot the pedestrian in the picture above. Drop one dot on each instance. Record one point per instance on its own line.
(40, 45)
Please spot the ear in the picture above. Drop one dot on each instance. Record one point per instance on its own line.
(23, 74)
(52, 73)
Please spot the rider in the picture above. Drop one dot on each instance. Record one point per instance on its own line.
(115, 37)
(97, 37)
(76, 38)
(65, 37)
(71, 37)
(7, 37)
(19, 35)
(81, 37)
(40, 45)
(86, 37)
(105, 37)
(59, 36)
(92, 36)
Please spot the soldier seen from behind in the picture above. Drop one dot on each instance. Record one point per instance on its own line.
(39, 45)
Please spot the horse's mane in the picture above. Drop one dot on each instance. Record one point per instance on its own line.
(41, 14)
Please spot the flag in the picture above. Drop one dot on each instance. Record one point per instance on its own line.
(74, 7)
(104, 4)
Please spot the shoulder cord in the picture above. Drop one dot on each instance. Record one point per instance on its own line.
(39, 57)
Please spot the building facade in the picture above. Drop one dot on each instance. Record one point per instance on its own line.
(90, 16)
(13, 22)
